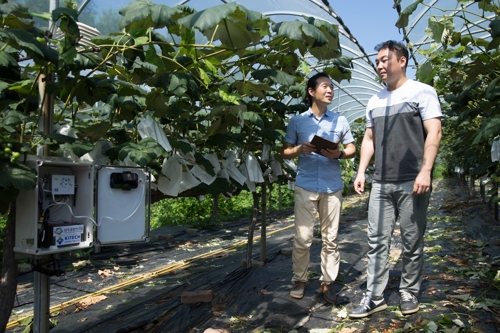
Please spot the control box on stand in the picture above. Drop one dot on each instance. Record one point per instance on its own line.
(75, 205)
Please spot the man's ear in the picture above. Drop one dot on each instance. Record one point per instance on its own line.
(403, 61)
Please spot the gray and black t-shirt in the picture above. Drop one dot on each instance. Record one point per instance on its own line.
(399, 135)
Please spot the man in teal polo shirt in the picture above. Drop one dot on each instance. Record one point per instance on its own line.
(318, 183)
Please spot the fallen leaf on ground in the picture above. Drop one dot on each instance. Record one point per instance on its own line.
(348, 330)
(86, 302)
(81, 263)
(105, 273)
(87, 280)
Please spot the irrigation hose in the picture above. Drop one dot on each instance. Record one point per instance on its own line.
(150, 275)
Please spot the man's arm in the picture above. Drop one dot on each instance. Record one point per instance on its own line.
(291, 151)
(367, 150)
(433, 130)
(349, 151)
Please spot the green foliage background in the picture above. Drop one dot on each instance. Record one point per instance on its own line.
(197, 213)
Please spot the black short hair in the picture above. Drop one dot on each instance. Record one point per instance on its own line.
(399, 48)
(313, 83)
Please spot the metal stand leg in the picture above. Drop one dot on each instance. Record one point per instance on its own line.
(42, 299)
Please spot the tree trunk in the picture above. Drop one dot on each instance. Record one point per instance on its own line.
(255, 197)
(215, 212)
(8, 281)
(270, 197)
(263, 245)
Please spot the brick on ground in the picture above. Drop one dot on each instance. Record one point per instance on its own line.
(166, 237)
(199, 296)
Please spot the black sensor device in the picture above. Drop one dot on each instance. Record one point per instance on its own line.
(125, 180)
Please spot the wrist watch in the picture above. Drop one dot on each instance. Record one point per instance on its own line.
(341, 155)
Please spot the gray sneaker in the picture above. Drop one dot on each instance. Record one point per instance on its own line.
(408, 302)
(298, 289)
(328, 293)
(367, 307)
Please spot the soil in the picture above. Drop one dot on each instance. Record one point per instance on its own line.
(139, 287)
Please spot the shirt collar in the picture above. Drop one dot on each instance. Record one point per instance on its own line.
(310, 113)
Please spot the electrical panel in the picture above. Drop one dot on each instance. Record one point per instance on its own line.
(57, 216)
(76, 205)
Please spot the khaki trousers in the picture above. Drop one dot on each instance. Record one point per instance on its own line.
(307, 205)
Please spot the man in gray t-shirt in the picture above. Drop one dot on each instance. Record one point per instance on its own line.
(403, 130)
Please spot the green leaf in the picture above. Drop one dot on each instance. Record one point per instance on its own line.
(3, 85)
(181, 145)
(23, 87)
(24, 40)
(94, 132)
(487, 6)
(232, 97)
(278, 77)
(69, 55)
(251, 89)
(403, 20)
(463, 298)
(12, 7)
(204, 76)
(254, 118)
(6, 60)
(441, 31)
(18, 175)
(78, 148)
(142, 153)
(68, 21)
(488, 130)
(153, 57)
(231, 23)
(144, 14)
(332, 48)
(17, 22)
(178, 83)
(426, 72)
(59, 138)
(219, 185)
(493, 90)
(13, 117)
(205, 164)
(26, 321)
(494, 44)
(271, 135)
(301, 31)
(338, 73)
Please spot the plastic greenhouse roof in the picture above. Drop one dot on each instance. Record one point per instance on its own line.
(351, 96)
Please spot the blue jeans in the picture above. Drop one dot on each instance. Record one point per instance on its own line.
(388, 201)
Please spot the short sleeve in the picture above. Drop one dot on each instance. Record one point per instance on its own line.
(291, 132)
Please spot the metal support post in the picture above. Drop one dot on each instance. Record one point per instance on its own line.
(42, 298)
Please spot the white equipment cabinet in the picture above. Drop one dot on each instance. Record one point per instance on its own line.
(76, 205)
(122, 209)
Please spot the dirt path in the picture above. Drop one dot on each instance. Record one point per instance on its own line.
(459, 293)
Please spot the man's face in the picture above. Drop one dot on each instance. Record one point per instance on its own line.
(389, 68)
(323, 92)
